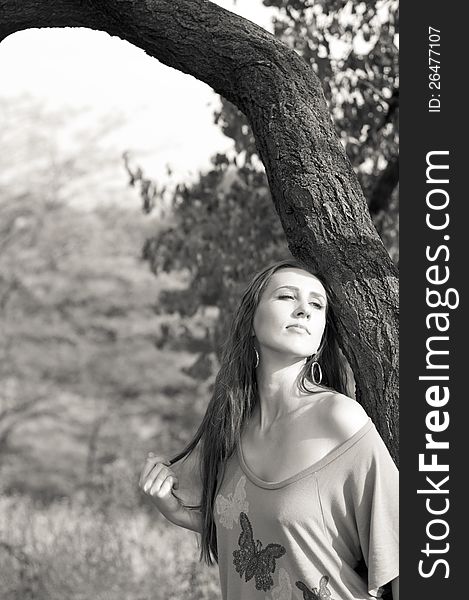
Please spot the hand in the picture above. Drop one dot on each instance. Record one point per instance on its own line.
(158, 481)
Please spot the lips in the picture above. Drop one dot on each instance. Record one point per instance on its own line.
(298, 326)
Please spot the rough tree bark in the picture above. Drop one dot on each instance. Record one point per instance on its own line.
(314, 188)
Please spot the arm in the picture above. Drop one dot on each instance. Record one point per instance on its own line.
(375, 493)
(160, 481)
(187, 518)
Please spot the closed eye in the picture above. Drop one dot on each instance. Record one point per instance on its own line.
(287, 296)
(317, 305)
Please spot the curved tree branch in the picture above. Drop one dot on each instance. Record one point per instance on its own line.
(314, 188)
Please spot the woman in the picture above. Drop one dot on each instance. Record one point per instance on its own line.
(296, 486)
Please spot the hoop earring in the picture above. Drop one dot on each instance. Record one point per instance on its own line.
(257, 358)
(319, 372)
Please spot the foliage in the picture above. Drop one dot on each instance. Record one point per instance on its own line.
(351, 46)
(224, 232)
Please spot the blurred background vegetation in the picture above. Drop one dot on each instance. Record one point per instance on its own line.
(112, 317)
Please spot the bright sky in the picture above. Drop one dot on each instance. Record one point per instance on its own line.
(167, 115)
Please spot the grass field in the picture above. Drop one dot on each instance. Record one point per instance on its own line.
(68, 551)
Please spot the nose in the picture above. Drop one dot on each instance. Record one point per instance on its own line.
(303, 310)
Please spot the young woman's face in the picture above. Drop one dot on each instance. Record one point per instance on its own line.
(291, 315)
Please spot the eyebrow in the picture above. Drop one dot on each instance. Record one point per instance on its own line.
(294, 288)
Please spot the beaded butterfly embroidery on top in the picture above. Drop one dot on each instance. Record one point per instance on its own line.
(323, 593)
(252, 560)
(229, 508)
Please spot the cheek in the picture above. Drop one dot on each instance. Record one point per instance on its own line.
(321, 326)
(264, 322)
(317, 330)
(317, 327)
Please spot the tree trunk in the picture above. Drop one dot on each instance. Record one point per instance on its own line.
(315, 191)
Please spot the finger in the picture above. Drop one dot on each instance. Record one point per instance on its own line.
(163, 489)
(155, 488)
(150, 464)
(161, 476)
(157, 476)
(173, 480)
(145, 472)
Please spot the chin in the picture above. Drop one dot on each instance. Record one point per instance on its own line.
(296, 349)
(299, 353)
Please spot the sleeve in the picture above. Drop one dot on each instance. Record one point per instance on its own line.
(377, 511)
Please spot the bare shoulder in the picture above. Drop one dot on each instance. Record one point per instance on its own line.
(344, 415)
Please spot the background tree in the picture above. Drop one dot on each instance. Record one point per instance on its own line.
(76, 305)
(85, 389)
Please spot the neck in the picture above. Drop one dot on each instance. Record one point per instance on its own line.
(277, 382)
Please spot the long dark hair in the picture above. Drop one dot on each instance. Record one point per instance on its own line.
(235, 394)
